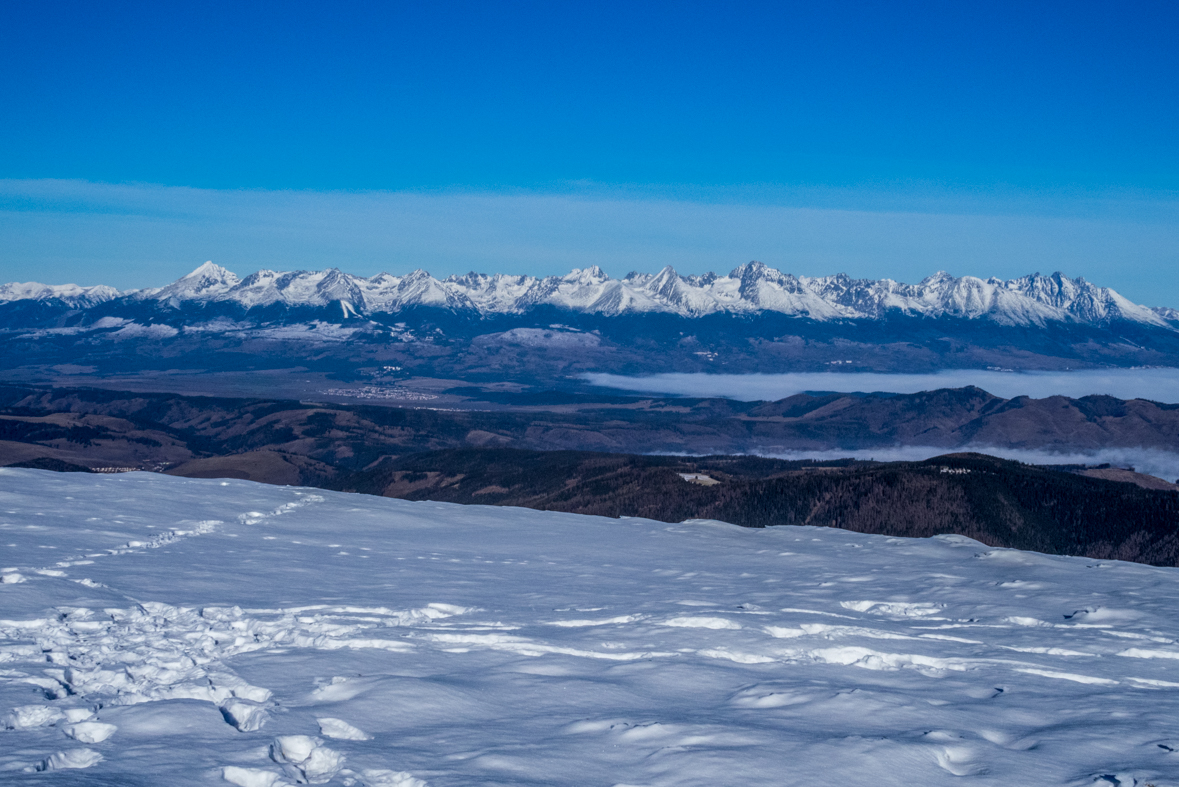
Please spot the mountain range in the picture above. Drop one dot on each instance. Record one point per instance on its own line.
(553, 331)
(748, 289)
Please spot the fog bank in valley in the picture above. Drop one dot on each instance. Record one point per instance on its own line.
(1160, 385)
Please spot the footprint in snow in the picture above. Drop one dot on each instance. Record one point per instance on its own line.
(378, 777)
(71, 759)
(305, 758)
(341, 730)
(249, 777)
(245, 715)
(90, 731)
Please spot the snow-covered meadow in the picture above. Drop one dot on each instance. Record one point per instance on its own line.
(166, 631)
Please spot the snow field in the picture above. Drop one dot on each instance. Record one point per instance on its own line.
(178, 631)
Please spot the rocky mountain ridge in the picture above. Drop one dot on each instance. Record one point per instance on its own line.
(750, 289)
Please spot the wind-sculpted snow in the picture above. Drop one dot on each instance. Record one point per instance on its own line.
(176, 631)
(748, 289)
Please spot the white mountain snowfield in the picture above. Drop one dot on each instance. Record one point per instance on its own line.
(72, 294)
(167, 631)
(748, 289)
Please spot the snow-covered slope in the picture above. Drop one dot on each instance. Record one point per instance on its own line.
(69, 294)
(748, 289)
(170, 631)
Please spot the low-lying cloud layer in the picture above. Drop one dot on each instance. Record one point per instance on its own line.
(1160, 385)
(1163, 464)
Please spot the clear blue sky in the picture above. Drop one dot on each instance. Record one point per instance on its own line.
(1028, 111)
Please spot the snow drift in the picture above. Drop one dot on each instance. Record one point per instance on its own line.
(174, 631)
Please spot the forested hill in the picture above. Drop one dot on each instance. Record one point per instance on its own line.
(997, 502)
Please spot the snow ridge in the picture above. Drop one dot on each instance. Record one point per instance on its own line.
(748, 289)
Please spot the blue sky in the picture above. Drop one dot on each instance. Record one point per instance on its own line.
(881, 139)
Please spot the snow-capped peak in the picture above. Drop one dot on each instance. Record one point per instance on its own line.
(207, 282)
(748, 289)
(210, 272)
(70, 294)
(587, 276)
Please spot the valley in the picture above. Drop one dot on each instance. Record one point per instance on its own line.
(601, 456)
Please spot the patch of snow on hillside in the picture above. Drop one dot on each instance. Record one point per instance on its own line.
(176, 631)
(138, 331)
(316, 330)
(540, 337)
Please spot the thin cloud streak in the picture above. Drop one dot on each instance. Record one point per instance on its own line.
(146, 235)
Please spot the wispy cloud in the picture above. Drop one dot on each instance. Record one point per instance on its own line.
(140, 235)
(1160, 385)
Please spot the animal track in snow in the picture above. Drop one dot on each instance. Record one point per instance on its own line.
(183, 530)
(254, 517)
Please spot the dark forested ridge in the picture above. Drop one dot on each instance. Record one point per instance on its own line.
(994, 501)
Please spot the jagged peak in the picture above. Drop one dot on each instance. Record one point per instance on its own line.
(937, 278)
(666, 274)
(469, 277)
(591, 275)
(209, 270)
(749, 269)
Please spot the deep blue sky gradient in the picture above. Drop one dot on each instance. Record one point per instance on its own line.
(1035, 108)
(393, 96)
